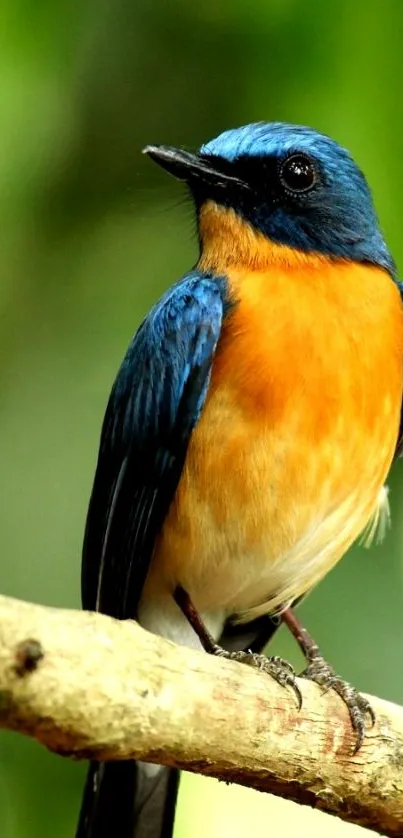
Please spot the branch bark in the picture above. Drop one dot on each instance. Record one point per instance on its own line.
(87, 686)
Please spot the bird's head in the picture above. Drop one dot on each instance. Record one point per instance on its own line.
(285, 184)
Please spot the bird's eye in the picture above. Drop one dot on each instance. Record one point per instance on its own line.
(298, 173)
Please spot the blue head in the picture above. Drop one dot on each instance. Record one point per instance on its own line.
(296, 186)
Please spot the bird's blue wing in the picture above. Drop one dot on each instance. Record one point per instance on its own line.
(155, 403)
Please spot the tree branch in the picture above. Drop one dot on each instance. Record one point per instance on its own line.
(88, 686)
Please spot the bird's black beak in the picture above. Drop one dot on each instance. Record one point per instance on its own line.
(190, 167)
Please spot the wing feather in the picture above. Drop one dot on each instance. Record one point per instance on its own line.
(155, 403)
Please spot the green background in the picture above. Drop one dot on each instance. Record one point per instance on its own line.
(91, 232)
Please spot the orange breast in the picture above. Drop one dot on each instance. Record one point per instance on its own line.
(285, 467)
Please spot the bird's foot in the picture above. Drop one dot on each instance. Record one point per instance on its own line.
(359, 708)
(279, 669)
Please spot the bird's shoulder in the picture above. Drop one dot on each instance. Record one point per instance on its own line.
(179, 332)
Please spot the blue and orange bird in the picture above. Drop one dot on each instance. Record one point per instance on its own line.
(251, 427)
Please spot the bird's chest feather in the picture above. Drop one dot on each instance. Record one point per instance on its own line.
(288, 460)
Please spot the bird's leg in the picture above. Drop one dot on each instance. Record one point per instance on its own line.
(279, 669)
(321, 672)
(182, 599)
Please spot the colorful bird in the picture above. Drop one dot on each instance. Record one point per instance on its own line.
(251, 426)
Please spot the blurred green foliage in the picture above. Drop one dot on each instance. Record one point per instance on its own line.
(91, 233)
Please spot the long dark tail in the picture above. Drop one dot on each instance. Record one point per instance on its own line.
(128, 800)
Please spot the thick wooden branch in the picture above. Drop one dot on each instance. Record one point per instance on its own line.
(88, 686)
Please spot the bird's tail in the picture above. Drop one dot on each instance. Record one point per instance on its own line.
(128, 800)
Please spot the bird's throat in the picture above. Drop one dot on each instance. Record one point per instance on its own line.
(227, 240)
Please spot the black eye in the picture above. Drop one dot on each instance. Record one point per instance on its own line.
(298, 173)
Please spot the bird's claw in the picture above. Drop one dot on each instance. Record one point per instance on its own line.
(280, 670)
(358, 707)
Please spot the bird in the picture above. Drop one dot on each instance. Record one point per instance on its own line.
(250, 429)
